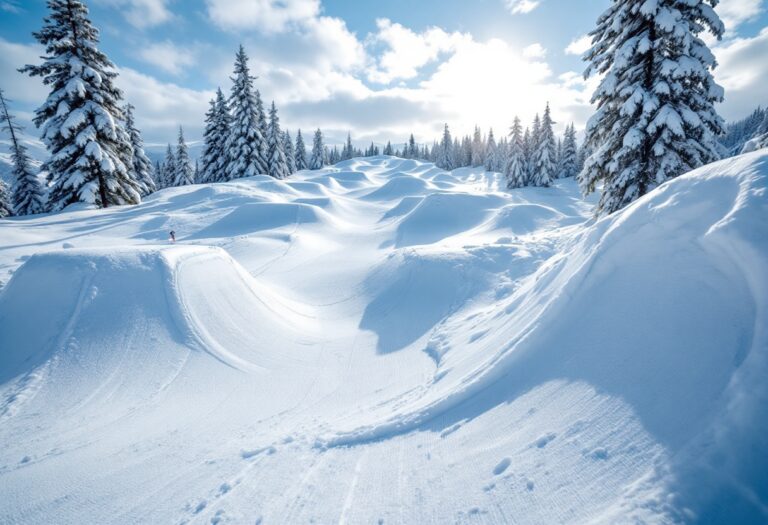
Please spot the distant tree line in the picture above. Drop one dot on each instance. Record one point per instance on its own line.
(530, 157)
(738, 133)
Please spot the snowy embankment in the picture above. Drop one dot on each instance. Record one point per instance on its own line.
(386, 342)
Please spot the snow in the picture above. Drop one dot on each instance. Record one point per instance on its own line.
(384, 342)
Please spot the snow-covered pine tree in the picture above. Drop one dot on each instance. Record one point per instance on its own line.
(444, 156)
(5, 201)
(168, 169)
(655, 115)
(157, 176)
(183, 172)
(569, 157)
(759, 137)
(535, 136)
(140, 166)
(277, 166)
(301, 153)
(210, 154)
(317, 160)
(326, 155)
(217, 129)
(27, 194)
(528, 149)
(348, 152)
(503, 153)
(558, 157)
(388, 149)
(290, 156)
(516, 172)
(477, 151)
(264, 126)
(413, 151)
(581, 159)
(245, 141)
(81, 117)
(739, 132)
(763, 128)
(544, 161)
(492, 154)
(459, 152)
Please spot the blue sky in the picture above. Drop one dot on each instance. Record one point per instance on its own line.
(378, 69)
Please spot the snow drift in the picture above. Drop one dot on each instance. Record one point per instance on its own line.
(384, 341)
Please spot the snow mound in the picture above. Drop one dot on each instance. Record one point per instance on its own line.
(525, 218)
(755, 144)
(398, 187)
(273, 186)
(408, 295)
(442, 215)
(403, 207)
(109, 306)
(254, 217)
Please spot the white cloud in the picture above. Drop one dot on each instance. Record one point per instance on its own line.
(471, 89)
(268, 16)
(521, 6)
(10, 6)
(161, 106)
(736, 12)
(534, 51)
(579, 46)
(21, 87)
(142, 13)
(167, 56)
(743, 72)
(407, 51)
(297, 55)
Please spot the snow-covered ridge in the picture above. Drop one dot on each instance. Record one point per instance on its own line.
(386, 341)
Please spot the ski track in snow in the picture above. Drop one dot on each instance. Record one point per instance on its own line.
(385, 342)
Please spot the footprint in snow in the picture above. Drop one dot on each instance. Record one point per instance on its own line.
(543, 441)
(599, 453)
(247, 454)
(450, 430)
(502, 466)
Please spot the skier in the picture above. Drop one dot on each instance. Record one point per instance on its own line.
(172, 235)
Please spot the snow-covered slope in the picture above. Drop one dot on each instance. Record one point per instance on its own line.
(386, 342)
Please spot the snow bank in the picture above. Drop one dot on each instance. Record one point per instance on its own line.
(441, 215)
(398, 187)
(255, 217)
(97, 297)
(662, 304)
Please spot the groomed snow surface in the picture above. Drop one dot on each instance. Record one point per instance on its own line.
(386, 342)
